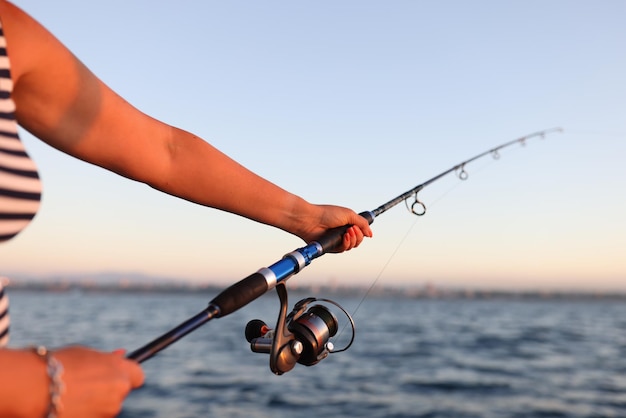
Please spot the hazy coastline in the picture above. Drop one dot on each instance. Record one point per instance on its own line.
(117, 283)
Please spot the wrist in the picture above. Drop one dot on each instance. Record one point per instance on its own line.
(299, 217)
(55, 386)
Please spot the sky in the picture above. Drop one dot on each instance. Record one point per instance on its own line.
(353, 103)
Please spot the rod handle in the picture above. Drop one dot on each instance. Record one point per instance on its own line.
(240, 294)
(332, 238)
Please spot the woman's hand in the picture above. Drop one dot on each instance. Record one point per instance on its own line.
(96, 383)
(329, 216)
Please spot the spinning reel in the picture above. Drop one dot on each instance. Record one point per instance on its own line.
(302, 337)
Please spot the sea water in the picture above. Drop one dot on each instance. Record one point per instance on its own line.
(456, 358)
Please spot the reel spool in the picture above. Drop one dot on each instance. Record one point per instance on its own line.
(301, 337)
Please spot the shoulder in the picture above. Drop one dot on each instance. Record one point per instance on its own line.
(26, 39)
(11, 15)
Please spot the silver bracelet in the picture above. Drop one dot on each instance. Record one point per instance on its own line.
(54, 369)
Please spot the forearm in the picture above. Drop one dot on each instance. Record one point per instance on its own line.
(24, 384)
(200, 173)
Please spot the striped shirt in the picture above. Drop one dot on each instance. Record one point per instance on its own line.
(4, 316)
(20, 188)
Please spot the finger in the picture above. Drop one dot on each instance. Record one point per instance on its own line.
(363, 226)
(350, 238)
(359, 236)
(354, 238)
(346, 241)
(135, 374)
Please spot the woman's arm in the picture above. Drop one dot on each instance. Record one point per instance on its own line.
(63, 103)
(24, 384)
(94, 384)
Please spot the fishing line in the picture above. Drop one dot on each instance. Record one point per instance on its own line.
(406, 235)
(380, 273)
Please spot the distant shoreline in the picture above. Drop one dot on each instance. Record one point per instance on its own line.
(417, 292)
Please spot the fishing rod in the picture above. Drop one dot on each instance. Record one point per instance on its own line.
(303, 335)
